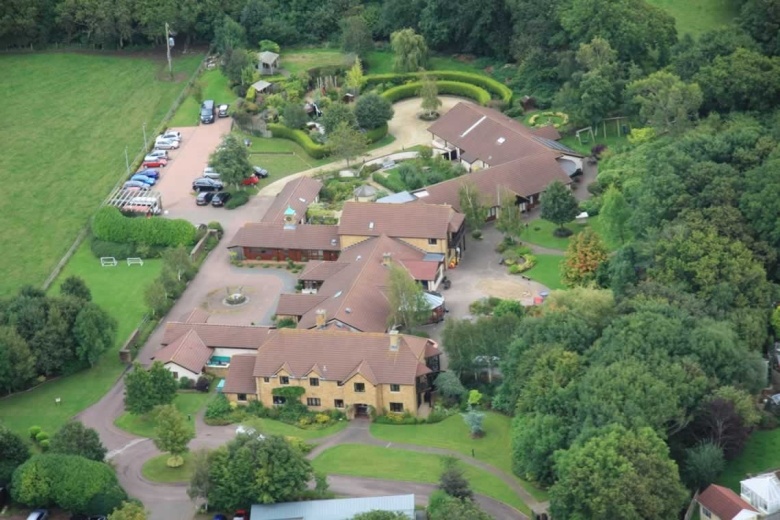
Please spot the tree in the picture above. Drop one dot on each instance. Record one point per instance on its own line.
(249, 470)
(452, 480)
(347, 142)
(584, 255)
(355, 80)
(13, 453)
(179, 262)
(742, 80)
(231, 160)
(664, 101)
(200, 483)
(474, 420)
(454, 509)
(172, 434)
(76, 439)
(429, 92)
(373, 111)
(94, 331)
(410, 49)
(761, 19)
(17, 363)
(618, 473)
(719, 422)
(356, 36)
(145, 389)
(703, 465)
(76, 287)
(294, 116)
(535, 439)
(234, 64)
(129, 511)
(471, 205)
(408, 306)
(614, 215)
(508, 221)
(449, 386)
(229, 35)
(380, 515)
(336, 114)
(559, 206)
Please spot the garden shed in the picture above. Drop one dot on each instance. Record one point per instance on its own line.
(268, 63)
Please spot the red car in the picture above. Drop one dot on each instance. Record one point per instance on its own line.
(158, 163)
(250, 181)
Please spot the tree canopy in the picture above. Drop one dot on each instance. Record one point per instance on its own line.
(145, 389)
(76, 439)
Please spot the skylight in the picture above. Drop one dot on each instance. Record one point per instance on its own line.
(501, 140)
(337, 294)
(370, 225)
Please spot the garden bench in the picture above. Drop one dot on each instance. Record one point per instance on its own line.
(135, 261)
(107, 261)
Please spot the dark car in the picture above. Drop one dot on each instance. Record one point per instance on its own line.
(260, 173)
(206, 184)
(207, 111)
(204, 197)
(148, 172)
(222, 111)
(220, 199)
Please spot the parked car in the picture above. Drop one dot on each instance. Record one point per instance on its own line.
(207, 111)
(222, 110)
(143, 178)
(39, 514)
(136, 184)
(206, 184)
(211, 173)
(261, 173)
(166, 144)
(158, 153)
(171, 135)
(250, 181)
(204, 197)
(154, 174)
(220, 199)
(151, 157)
(155, 163)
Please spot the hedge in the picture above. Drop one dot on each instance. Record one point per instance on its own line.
(377, 133)
(496, 88)
(454, 88)
(111, 226)
(316, 150)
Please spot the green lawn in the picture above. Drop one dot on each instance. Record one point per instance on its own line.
(155, 469)
(119, 290)
(381, 62)
(187, 403)
(761, 453)
(215, 86)
(301, 59)
(698, 16)
(453, 434)
(392, 464)
(271, 427)
(540, 232)
(72, 117)
(547, 271)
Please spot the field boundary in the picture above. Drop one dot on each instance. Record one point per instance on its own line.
(133, 165)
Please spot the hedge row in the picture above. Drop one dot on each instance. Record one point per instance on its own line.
(454, 88)
(316, 150)
(111, 226)
(377, 133)
(496, 88)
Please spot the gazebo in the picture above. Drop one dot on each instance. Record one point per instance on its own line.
(364, 193)
(268, 62)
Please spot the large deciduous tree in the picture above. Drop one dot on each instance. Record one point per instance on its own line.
(172, 433)
(338, 113)
(584, 255)
(145, 389)
(559, 205)
(76, 287)
(471, 205)
(229, 35)
(129, 511)
(200, 482)
(535, 439)
(373, 111)
(17, 363)
(13, 452)
(76, 439)
(94, 331)
(231, 161)
(346, 142)
(408, 306)
(702, 465)
(743, 80)
(410, 49)
(356, 36)
(429, 92)
(665, 102)
(614, 215)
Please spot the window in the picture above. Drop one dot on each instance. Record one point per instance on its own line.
(360, 387)
(312, 401)
(314, 381)
(432, 241)
(395, 388)
(284, 380)
(278, 399)
(266, 380)
(175, 375)
(397, 407)
(706, 512)
(338, 403)
(242, 397)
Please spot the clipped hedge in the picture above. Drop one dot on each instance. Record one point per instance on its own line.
(377, 133)
(315, 150)
(495, 88)
(111, 226)
(454, 88)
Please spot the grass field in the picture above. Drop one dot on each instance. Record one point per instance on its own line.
(188, 403)
(215, 86)
(271, 427)
(392, 464)
(698, 16)
(155, 469)
(381, 62)
(70, 118)
(761, 453)
(453, 434)
(301, 59)
(547, 271)
(120, 291)
(540, 232)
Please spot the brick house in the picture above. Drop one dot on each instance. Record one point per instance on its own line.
(351, 372)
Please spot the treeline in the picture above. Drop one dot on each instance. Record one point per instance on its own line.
(43, 336)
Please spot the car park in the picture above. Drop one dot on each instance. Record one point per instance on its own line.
(222, 110)
(171, 135)
(166, 144)
(154, 174)
(136, 184)
(206, 184)
(209, 172)
(39, 514)
(220, 199)
(204, 197)
(155, 163)
(250, 181)
(143, 178)
(261, 173)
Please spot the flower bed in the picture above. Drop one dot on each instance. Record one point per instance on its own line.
(557, 119)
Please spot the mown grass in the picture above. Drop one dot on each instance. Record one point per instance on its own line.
(698, 16)
(761, 453)
(70, 118)
(547, 271)
(120, 291)
(214, 86)
(393, 464)
(188, 403)
(301, 59)
(156, 470)
(453, 434)
(381, 62)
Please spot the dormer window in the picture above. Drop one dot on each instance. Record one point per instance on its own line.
(284, 380)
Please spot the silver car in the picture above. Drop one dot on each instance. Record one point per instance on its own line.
(165, 144)
(158, 153)
(210, 173)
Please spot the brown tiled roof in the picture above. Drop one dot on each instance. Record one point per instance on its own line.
(274, 235)
(396, 220)
(723, 502)
(456, 222)
(196, 315)
(213, 335)
(421, 270)
(319, 270)
(298, 304)
(547, 132)
(239, 378)
(340, 355)
(304, 188)
(188, 351)
(525, 177)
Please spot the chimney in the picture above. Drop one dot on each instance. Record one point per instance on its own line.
(321, 318)
(386, 259)
(395, 339)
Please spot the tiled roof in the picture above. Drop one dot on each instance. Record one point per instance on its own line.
(239, 378)
(421, 270)
(547, 131)
(298, 304)
(297, 194)
(396, 220)
(319, 270)
(274, 235)
(196, 315)
(723, 502)
(188, 352)
(341, 355)
(213, 335)
(525, 177)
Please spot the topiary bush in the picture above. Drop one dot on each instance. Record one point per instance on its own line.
(34, 431)
(203, 384)
(496, 88)
(238, 199)
(41, 436)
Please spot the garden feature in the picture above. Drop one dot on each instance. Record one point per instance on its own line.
(556, 119)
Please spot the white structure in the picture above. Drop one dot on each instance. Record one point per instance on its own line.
(763, 493)
(336, 509)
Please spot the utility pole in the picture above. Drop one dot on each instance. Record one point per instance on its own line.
(146, 144)
(168, 45)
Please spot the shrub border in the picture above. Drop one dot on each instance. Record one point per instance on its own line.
(488, 84)
(316, 150)
(456, 88)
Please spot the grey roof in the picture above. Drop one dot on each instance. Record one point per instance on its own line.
(268, 57)
(569, 166)
(261, 85)
(336, 509)
(364, 190)
(398, 198)
(555, 145)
